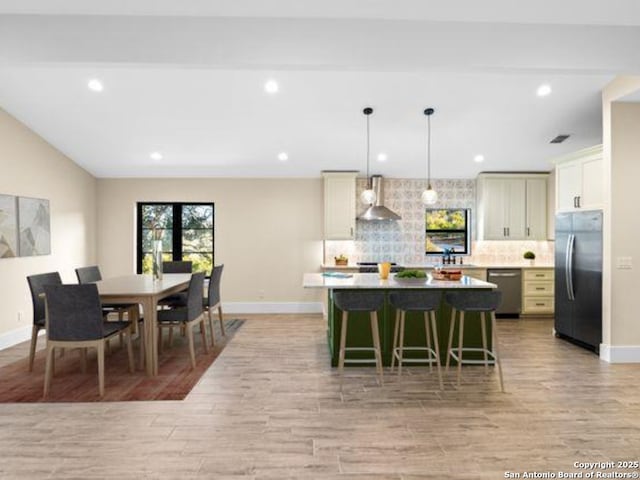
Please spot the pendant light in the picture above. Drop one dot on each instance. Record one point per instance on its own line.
(368, 196)
(429, 196)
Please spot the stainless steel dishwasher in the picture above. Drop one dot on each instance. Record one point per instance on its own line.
(509, 281)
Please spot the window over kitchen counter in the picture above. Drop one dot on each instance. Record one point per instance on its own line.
(186, 230)
(447, 228)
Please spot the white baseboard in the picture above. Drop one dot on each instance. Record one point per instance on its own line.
(620, 354)
(13, 337)
(271, 307)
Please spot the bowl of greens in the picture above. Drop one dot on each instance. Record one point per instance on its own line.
(411, 276)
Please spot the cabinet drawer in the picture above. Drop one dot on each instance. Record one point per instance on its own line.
(538, 274)
(538, 305)
(538, 289)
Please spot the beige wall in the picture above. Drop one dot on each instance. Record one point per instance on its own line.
(29, 166)
(621, 152)
(268, 232)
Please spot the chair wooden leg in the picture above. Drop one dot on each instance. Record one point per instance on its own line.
(483, 327)
(428, 335)
(213, 337)
(132, 366)
(221, 318)
(343, 343)
(48, 370)
(494, 345)
(121, 318)
(100, 348)
(401, 342)
(191, 348)
(160, 342)
(432, 314)
(32, 349)
(203, 332)
(141, 338)
(170, 340)
(396, 326)
(450, 342)
(375, 333)
(460, 338)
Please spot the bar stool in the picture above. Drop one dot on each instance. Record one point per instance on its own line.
(416, 301)
(474, 301)
(355, 301)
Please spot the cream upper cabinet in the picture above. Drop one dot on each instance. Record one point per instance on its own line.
(512, 206)
(580, 180)
(339, 205)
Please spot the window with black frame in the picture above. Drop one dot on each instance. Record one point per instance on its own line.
(447, 230)
(186, 230)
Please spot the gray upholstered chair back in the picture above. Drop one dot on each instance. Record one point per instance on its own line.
(88, 274)
(73, 312)
(195, 296)
(36, 285)
(474, 301)
(214, 285)
(177, 267)
(416, 300)
(356, 301)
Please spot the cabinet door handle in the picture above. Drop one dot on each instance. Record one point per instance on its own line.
(528, 232)
(575, 202)
(539, 288)
(352, 231)
(508, 232)
(578, 198)
(539, 304)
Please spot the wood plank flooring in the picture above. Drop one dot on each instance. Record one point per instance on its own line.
(271, 408)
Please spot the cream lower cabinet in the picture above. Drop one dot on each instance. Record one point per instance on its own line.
(537, 291)
(339, 205)
(477, 273)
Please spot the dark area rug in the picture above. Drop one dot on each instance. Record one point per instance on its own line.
(174, 381)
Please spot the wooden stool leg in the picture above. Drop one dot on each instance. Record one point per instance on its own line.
(396, 326)
(343, 342)
(401, 342)
(460, 337)
(494, 345)
(100, 348)
(450, 343)
(375, 333)
(428, 335)
(436, 347)
(483, 325)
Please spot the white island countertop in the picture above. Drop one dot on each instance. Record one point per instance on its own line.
(372, 280)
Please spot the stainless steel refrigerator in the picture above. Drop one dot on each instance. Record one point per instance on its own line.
(578, 278)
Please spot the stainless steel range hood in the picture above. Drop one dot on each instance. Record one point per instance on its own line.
(377, 211)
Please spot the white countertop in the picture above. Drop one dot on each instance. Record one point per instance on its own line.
(457, 265)
(372, 280)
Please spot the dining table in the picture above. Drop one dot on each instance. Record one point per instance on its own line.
(147, 291)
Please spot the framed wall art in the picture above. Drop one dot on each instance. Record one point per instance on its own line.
(34, 226)
(8, 226)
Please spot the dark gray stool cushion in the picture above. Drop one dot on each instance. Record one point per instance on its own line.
(474, 301)
(354, 301)
(416, 300)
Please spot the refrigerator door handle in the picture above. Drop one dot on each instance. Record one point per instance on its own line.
(569, 266)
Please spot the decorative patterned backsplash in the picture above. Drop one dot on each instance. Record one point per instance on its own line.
(403, 241)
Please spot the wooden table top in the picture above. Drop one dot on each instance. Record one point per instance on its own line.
(142, 285)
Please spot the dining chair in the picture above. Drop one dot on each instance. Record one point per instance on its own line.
(36, 286)
(188, 315)
(74, 320)
(91, 274)
(177, 267)
(212, 300)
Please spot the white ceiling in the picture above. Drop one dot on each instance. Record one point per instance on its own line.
(186, 79)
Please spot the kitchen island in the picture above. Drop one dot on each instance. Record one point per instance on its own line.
(359, 334)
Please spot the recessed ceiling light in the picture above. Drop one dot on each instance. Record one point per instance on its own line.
(478, 158)
(155, 156)
(382, 157)
(543, 90)
(271, 86)
(283, 156)
(95, 85)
